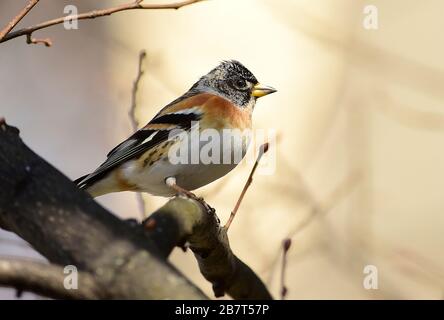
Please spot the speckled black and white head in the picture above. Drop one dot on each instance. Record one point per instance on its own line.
(233, 81)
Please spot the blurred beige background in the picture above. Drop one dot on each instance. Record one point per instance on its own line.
(359, 116)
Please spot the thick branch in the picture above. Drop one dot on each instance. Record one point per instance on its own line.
(133, 107)
(133, 117)
(46, 280)
(95, 14)
(69, 228)
(184, 220)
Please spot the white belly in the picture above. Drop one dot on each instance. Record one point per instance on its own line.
(191, 173)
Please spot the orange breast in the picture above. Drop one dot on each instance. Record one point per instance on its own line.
(220, 113)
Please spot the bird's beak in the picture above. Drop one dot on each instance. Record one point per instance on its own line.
(260, 90)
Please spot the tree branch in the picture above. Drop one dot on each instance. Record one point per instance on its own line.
(127, 261)
(17, 18)
(68, 227)
(184, 220)
(133, 107)
(91, 15)
(46, 280)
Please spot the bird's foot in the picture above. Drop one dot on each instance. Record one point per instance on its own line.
(171, 182)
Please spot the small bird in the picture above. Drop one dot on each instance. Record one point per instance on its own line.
(222, 101)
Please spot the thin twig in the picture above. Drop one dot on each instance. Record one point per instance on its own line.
(14, 242)
(30, 40)
(133, 118)
(17, 18)
(262, 151)
(140, 72)
(114, 253)
(94, 14)
(318, 208)
(286, 244)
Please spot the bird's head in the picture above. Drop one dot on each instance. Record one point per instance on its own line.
(233, 81)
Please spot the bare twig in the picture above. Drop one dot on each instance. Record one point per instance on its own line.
(94, 14)
(285, 247)
(133, 118)
(17, 18)
(30, 40)
(262, 151)
(45, 279)
(322, 208)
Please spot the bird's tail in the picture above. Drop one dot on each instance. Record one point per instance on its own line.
(96, 187)
(79, 180)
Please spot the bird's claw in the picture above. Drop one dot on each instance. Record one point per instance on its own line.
(201, 200)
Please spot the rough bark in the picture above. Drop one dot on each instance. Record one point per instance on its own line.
(68, 227)
(119, 259)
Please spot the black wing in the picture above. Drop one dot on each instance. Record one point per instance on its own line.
(140, 142)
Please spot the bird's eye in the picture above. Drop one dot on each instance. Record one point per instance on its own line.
(240, 84)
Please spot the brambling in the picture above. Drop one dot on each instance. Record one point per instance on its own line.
(222, 100)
